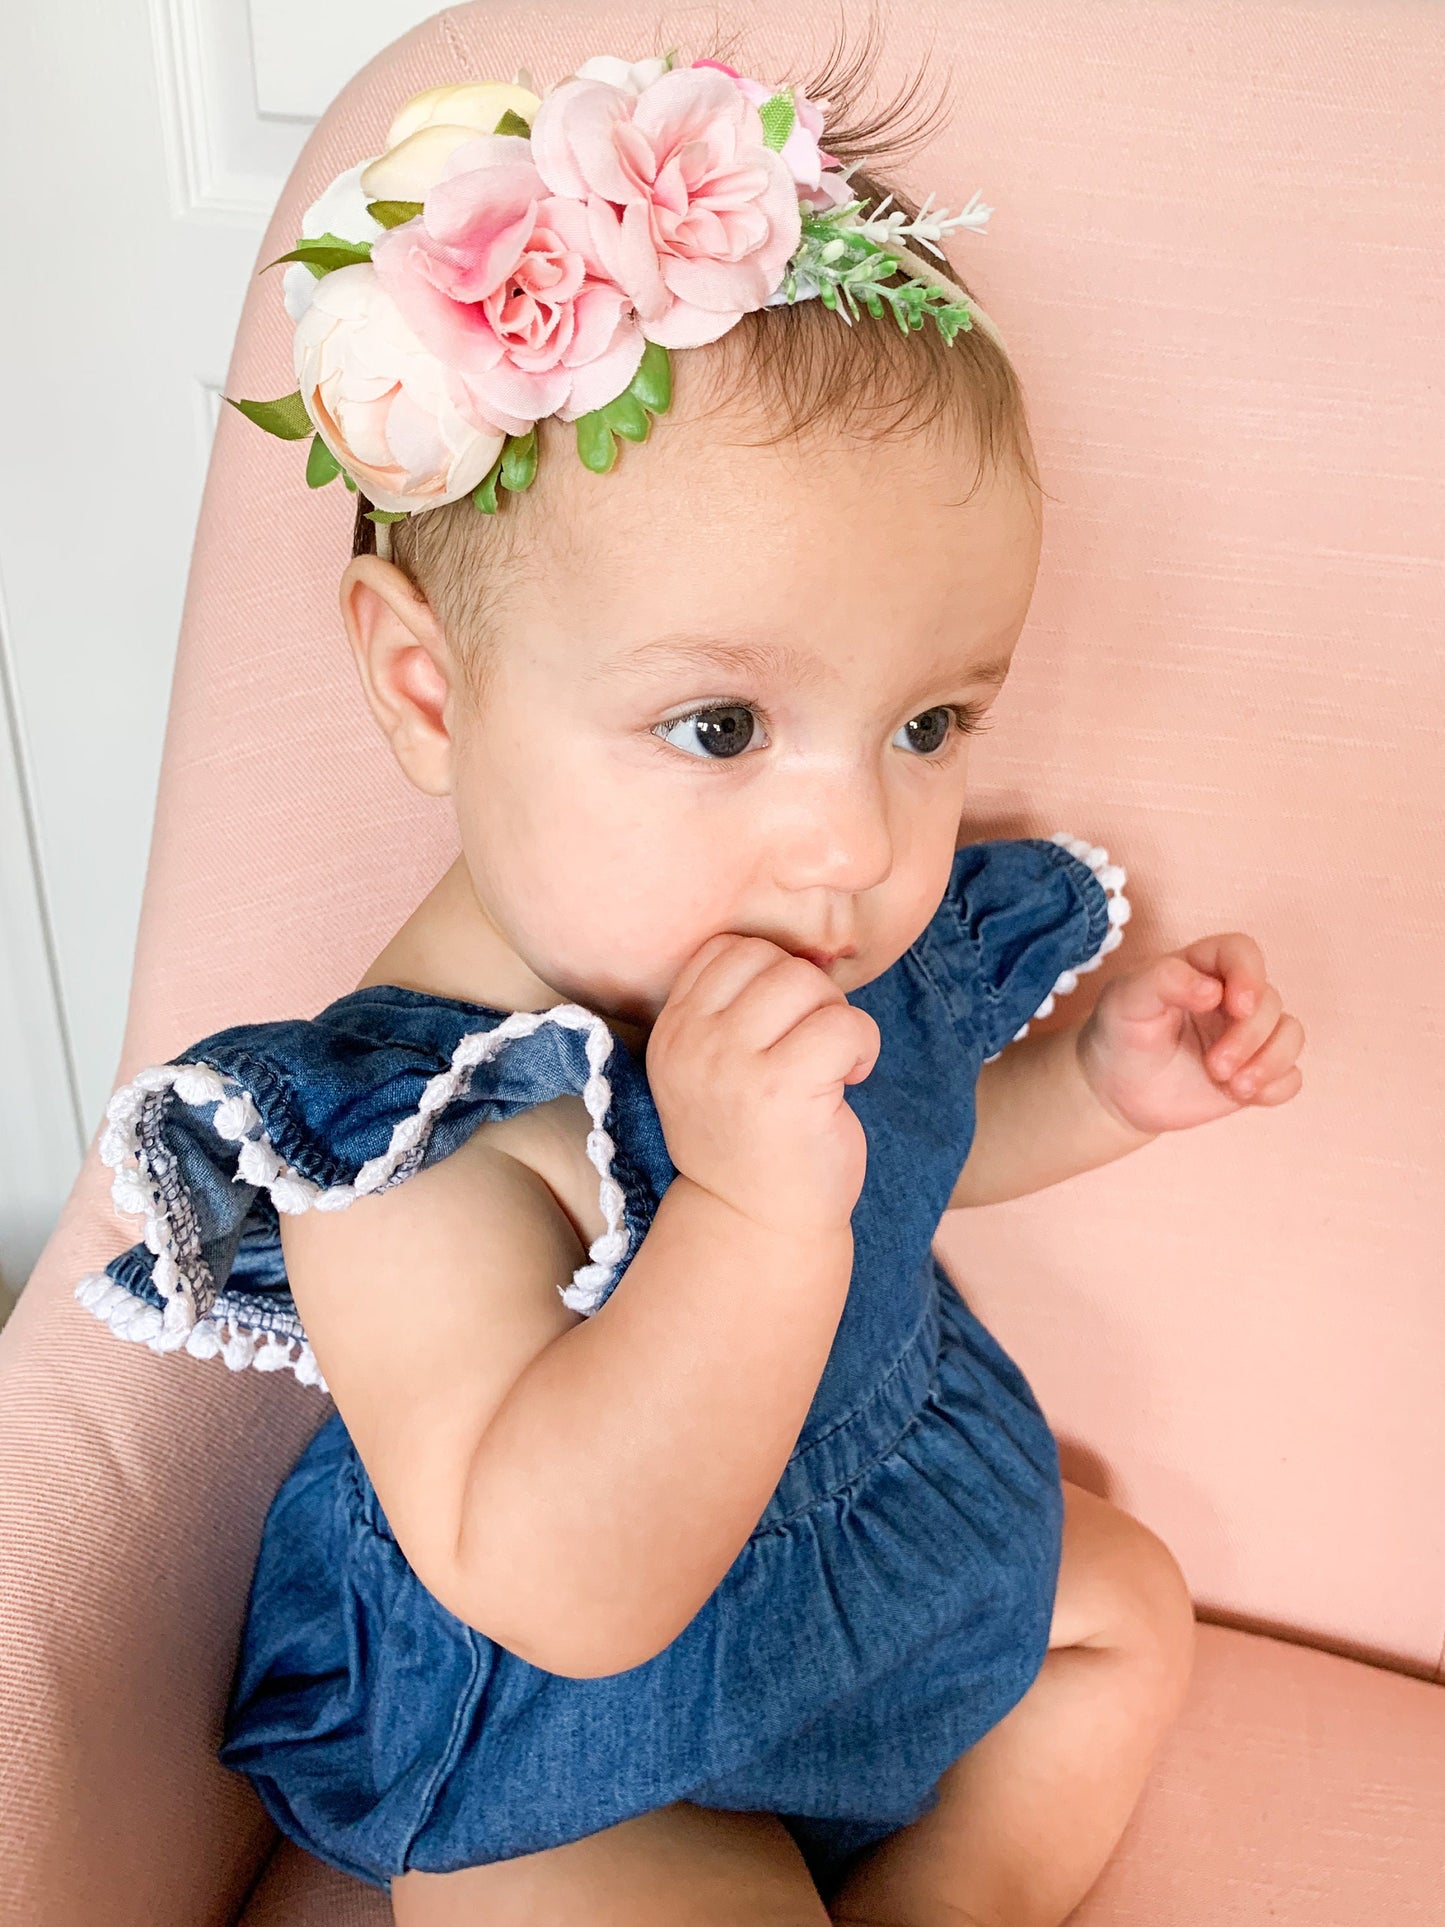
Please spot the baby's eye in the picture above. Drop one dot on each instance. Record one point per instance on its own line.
(724, 731)
(926, 733)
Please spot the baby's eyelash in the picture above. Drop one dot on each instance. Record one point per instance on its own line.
(971, 721)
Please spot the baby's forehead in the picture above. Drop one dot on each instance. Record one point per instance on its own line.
(693, 533)
(701, 491)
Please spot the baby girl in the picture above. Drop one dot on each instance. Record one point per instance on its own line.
(681, 1548)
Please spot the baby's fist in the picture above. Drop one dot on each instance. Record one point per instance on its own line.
(1196, 1034)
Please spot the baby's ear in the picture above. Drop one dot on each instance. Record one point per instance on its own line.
(405, 665)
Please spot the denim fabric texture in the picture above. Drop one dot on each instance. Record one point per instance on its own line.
(893, 1602)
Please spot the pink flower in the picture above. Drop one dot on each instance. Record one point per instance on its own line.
(501, 281)
(800, 151)
(688, 210)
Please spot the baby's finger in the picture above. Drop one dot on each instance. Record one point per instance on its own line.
(716, 946)
(1169, 983)
(776, 1000)
(1238, 961)
(1270, 1062)
(1230, 1051)
(729, 964)
(1282, 1087)
(833, 1042)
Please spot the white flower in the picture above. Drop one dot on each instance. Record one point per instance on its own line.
(928, 228)
(634, 76)
(341, 211)
(381, 402)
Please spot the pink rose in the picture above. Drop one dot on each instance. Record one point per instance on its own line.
(688, 210)
(801, 151)
(500, 280)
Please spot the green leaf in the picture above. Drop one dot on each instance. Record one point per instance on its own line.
(286, 416)
(348, 481)
(519, 461)
(512, 123)
(321, 465)
(393, 213)
(385, 515)
(778, 115)
(595, 442)
(626, 414)
(324, 254)
(652, 384)
(484, 495)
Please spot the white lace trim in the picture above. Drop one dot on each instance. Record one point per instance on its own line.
(181, 1275)
(1113, 878)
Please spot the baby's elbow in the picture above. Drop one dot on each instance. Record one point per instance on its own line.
(579, 1653)
(581, 1645)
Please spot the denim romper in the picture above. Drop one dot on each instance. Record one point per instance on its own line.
(893, 1602)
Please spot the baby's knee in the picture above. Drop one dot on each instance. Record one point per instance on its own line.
(1121, 1587)
(1165, 1625)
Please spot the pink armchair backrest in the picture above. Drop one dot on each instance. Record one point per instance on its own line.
(1216, 261)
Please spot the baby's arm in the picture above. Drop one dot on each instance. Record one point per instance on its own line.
(1191, 1036)
(576, 1488)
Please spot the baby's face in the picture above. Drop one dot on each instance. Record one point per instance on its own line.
(736, 698)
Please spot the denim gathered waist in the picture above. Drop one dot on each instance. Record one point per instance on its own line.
(823, 1466)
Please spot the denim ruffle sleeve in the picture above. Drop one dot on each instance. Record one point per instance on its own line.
(1022, 919)
(309, 1114)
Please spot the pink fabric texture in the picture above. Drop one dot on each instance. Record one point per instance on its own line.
(1215, 251)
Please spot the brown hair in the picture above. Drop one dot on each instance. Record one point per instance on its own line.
(795, 368)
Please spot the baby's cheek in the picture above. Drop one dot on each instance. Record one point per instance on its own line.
(609, 924)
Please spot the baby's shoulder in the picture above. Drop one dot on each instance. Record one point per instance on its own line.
(1021, 919)
(292, 1115)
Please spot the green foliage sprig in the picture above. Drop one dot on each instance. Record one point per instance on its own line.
(630, 414)
(847, 266)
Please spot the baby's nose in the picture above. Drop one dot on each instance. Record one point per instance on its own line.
(834, 834)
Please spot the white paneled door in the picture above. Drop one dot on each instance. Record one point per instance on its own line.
(144, 143)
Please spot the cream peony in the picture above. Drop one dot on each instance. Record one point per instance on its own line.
(381, 402)
(429, 129)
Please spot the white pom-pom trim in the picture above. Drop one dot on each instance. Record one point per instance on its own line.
(1113, 878)
(180, 1274)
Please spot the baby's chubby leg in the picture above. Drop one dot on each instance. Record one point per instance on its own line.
(678, 1866)
(1028, 1817)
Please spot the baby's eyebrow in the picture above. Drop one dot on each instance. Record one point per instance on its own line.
(766, 659)
(762, 659)
(994, 671)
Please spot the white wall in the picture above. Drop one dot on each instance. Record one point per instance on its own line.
(143, 144)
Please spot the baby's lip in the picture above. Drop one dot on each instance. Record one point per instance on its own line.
(825, 959)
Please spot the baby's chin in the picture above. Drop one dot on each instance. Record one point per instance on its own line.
(624, 997)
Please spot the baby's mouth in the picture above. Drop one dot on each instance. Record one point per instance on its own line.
(824, 959)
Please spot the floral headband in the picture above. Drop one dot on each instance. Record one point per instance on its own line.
(511, 257)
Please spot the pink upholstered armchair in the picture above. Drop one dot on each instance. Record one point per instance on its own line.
(1216, 259)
